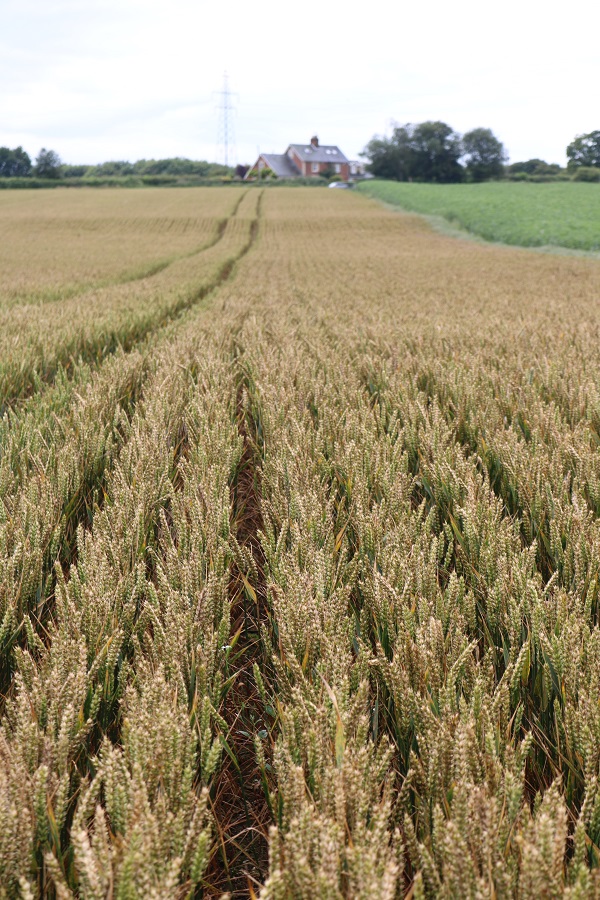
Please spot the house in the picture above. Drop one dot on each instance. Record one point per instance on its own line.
(303, 160)
(358, 169)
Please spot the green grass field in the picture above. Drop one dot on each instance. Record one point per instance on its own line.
(526, 215)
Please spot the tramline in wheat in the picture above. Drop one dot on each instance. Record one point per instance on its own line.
(300, 560)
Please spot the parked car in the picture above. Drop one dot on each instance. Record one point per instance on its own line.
(340, 184)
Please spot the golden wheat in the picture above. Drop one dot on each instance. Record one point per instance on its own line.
(300, 585)
(58, 244)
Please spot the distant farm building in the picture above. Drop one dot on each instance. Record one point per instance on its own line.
(305, 161)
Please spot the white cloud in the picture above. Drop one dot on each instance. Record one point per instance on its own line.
(131, 78)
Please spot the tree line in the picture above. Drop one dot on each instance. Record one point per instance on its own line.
(434, 152)
(16, 163)
(175, 166)
(428, 151)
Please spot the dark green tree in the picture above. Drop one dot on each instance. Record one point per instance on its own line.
(76, 171)
(528, 167)
(47, 164)
(14, 163)
(112, 168)
(537, 167)
(584, 150)
(426, 152)
(484, 154)
(180, 166)
(436, 152)
(389, 157)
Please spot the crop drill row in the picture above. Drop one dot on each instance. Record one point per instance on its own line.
(38, 341)
(301, 599)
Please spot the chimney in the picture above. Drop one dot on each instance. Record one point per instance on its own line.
(314, 141)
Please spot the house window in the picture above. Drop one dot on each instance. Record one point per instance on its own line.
(338, 168)
(315, 167)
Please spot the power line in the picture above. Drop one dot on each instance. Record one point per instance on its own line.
(225, 135)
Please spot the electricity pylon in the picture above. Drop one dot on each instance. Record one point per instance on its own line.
(226, 136)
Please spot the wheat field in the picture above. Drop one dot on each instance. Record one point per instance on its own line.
(299, 553)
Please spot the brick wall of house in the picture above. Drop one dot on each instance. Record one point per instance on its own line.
(298, 161)
(305, 166)
(256, 168)
(342, 175)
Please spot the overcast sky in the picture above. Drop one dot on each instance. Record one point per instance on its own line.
(130, 79)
